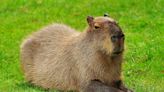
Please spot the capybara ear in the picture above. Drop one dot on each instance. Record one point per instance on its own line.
(106, 15)
(90, 21)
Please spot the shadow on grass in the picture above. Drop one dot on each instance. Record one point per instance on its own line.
(29, 86)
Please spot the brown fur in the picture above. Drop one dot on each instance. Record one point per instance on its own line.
(59, 57)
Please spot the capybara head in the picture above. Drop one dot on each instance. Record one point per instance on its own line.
(108, 33)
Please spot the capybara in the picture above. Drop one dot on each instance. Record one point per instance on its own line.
(60, 57)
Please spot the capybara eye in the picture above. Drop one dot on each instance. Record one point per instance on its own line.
(96, 27)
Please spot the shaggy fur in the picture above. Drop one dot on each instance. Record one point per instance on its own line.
(59, 57)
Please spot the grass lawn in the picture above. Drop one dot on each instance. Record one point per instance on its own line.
(141, 20)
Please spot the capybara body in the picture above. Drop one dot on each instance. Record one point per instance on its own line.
(59, 57)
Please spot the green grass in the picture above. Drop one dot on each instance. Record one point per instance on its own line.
(141, 20)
